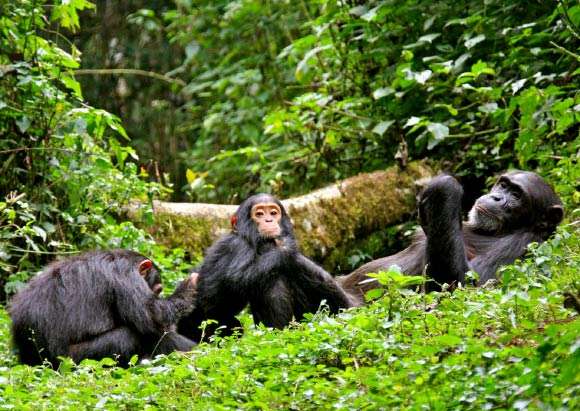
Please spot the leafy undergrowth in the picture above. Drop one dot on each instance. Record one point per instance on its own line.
(512, 346)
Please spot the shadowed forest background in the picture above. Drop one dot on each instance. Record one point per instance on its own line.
(110, 102)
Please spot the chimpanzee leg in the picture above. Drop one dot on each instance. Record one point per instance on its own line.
(274, 307)
(170, 342)
(440, 214)
(189, 326)
(121, 343)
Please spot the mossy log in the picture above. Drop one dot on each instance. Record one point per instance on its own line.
(326, 221)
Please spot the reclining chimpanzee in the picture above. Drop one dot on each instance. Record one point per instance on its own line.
(520, 208)
(259, 264)
(99, 304)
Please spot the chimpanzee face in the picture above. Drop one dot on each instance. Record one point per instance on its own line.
(151, 276)
(518, 199)
(267, 218)
(503, 206)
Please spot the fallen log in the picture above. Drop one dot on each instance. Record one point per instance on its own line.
(326, 221)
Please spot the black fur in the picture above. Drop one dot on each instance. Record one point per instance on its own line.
(271, 275)
(97, 305)
(521, 208)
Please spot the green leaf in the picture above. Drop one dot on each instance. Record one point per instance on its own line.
(473, 41)
(438, 132)
(412, 121)
(480, 68)
(371, 15)
(488, 108)
(23, 124)
(303, 66)
(72, 85)
(374, 294)
(447, 340)
(383, 92)
(517, 85)
(382, 127)
(103, 164)
(40, 232)
(428, 38)
(452, 110)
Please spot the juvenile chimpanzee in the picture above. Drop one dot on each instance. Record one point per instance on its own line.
(259, 263)
(99, 304)
(520, 208)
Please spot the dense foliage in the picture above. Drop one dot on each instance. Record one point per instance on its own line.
(297, 94)
(281, 96)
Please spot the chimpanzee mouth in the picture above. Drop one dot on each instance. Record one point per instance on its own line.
(483, 219)
(481, 210)
(271, 233)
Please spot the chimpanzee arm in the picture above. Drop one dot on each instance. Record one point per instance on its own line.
(247, 269)
(440, 215)
(178, 304)
(319, 284)
(139, 308)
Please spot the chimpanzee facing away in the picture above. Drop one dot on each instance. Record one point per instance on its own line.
(99, 304)
(520, 208)
(259, 263)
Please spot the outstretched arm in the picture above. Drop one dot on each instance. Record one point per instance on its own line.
(319, 284)
(140, 309)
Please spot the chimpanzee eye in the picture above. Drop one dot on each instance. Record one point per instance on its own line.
(260, 214)
(517, 195)
(502, 184)
(273, 212)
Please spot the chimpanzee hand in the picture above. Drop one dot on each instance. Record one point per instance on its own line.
(185, 294)
(286, 251)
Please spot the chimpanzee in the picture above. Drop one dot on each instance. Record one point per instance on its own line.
(520, 208)
(259, 263)
(99, 304)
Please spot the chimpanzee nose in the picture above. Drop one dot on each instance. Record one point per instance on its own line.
(496, 197)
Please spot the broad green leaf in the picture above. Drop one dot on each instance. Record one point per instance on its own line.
(438, 132)
(473, 41)
(412, 121)
(488, 107)
(382, 127)
(383, 92)
(374, 294)
(428, 38)
(23, 123)
(517, 85)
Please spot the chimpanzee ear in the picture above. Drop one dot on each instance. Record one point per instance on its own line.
(144, 267)
(555, 214)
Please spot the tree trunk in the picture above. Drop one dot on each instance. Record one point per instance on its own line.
(326, 222)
